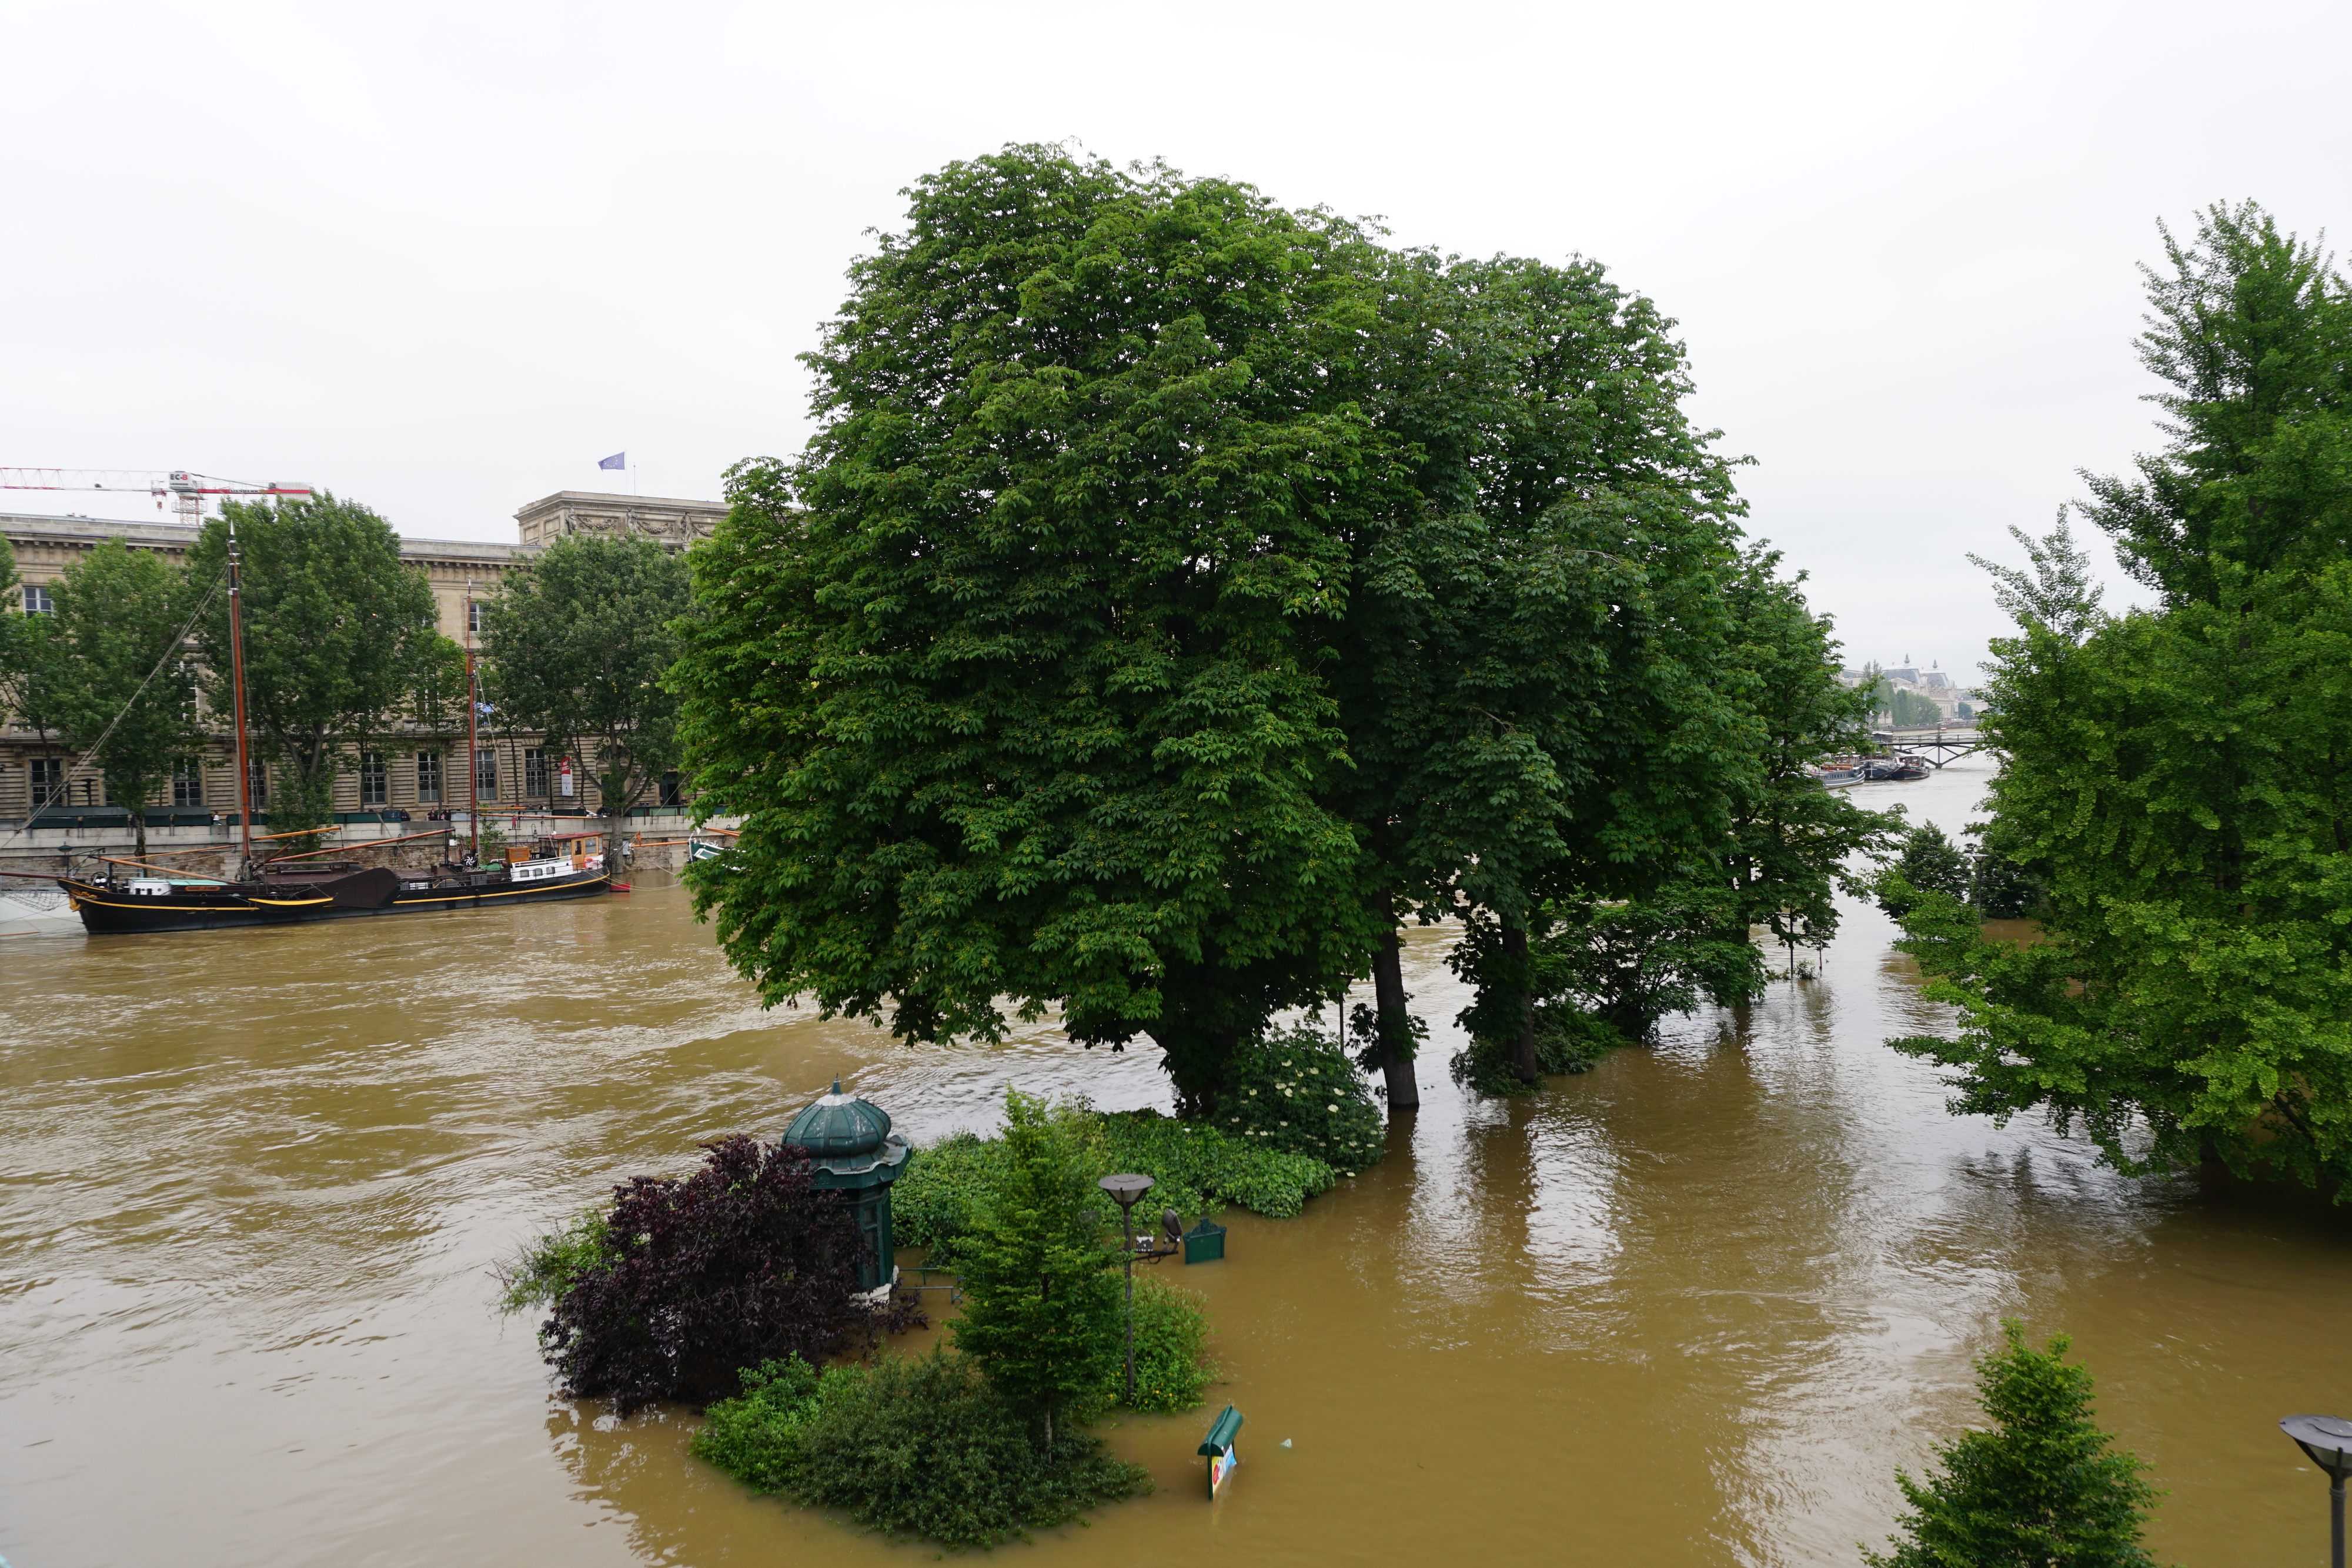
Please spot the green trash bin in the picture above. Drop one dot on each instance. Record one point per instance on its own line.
(1205, 1243)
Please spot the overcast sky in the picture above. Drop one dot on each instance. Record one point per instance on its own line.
(442, 258)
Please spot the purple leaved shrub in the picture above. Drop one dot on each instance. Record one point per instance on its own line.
(742, 1262)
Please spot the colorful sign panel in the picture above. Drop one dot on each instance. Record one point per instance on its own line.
(1220, 1466)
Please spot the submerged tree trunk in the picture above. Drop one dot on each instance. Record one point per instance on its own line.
(1523, 1037)
(1395, 1024)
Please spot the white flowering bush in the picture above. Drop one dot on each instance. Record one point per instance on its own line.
(1297, 1092)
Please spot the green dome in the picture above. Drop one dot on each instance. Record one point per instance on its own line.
(840, 1129)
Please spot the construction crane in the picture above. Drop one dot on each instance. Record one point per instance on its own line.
(186, 490)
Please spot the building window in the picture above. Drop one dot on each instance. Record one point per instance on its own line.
(37, 600)
(428, 778)
(188, 782)
(534, 774)
(375, 779)
(473, 615)
(48, 781)
(257, 776)
(673, 792)
(486, 773)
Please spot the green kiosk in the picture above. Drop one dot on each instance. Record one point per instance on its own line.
(851, 1147)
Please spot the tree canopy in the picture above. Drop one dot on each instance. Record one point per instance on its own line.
(2173, 781)
(338, 634)
(577, 647)
(1180, 590)
(113, 684)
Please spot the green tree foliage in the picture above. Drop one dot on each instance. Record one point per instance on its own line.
(2002, 889)
(2250, 330)
(2173, 779)
(920, 1447)
(1594, 967)
(1930, 863)
(338, 631)
(1626, 962)
(1181, 592)
(578, 647)
(1042, 1312)
(1534, 678)
(1014, 674)
(2044, 1487)
(114, 686)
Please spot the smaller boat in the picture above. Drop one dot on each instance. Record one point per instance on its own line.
(1896, 769)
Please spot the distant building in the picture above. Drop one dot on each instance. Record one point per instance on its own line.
(422, 772)
(674, 523)
(1934, 685)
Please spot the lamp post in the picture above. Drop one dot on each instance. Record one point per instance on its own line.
(1124, 1190)
(2327, 1440)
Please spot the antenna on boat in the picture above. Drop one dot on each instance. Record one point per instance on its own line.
(237, 683)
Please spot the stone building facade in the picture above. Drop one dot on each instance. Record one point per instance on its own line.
(417, 772)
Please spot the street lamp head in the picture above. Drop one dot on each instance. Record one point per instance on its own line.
(2327, 1440)
(1124, 1189)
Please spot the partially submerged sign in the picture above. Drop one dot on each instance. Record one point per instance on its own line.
(1219, 1445)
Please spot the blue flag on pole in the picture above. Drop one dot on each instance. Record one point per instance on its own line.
(618, 460)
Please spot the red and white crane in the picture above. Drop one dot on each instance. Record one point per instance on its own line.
(187, 490)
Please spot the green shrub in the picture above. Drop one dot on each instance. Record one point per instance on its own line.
(1568, 1039)
(545, 1268)
(1298, 1093)
(1194, 1169)
(1171, 1357)
(936, 1198)
(913, 1448)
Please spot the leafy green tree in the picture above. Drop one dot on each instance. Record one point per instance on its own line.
(116, 689)
(1529, 680)
(2055, 589)
(2045, 1487)
(2173, 779)
(578, 647)
(1792, 846)
(337, 628)
(2250, 329)
(1016, 674)
(1042, 1310)
(1906, 708)
(1930, 863)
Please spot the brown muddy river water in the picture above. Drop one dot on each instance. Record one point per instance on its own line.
(1693, 1307)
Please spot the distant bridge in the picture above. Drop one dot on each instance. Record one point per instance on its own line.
(1936, 747)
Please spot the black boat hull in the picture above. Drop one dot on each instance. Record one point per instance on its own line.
(106, 911)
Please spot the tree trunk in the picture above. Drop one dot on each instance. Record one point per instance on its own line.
(1395, 1025)
(1523, 1040)
(613, 839)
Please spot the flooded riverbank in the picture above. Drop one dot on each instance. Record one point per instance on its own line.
(1689, 1308)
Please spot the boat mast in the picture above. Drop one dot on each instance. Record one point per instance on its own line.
(237, 684)
(473, 741)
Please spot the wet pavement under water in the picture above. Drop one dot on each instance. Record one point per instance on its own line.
(1693, 1307)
